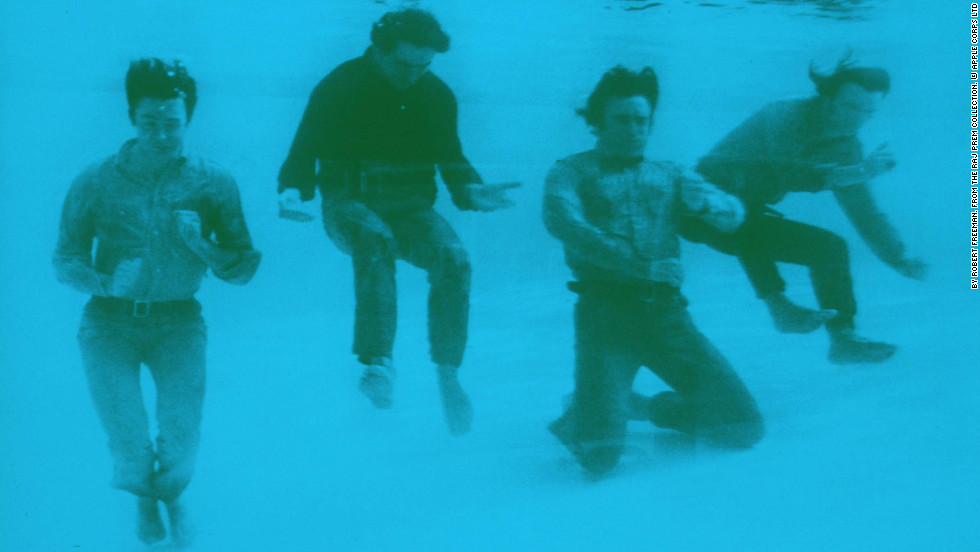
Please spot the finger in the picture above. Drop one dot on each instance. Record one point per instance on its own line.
(881, 147)
(506, 185)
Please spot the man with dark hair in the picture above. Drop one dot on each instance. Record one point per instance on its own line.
(617, 215)
(374, 132)
(161, 219)
(809, 145)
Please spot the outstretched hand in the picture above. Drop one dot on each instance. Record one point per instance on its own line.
(490, 197)
(874, 165)
(914, 268)
(878, 162)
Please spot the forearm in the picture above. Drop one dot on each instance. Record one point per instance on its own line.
(81, 276)
(871, 224)
(233, 265)
(458, 176)
(704, 202)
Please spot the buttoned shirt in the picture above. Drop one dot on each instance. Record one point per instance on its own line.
(618, 219)
(126, 215)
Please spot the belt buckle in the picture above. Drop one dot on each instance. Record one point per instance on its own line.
(141, 309)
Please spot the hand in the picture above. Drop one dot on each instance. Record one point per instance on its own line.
(878, 162)
(189, 228)
(914, 268)
(124, 277)
(490, 197)
(291, 206)
(724, 212)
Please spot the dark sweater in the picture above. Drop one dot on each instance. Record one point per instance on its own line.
(377, 143)
(779, 150)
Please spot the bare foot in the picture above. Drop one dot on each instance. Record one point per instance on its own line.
(455, 404)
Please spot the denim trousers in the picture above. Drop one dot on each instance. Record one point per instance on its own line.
(172, 346)
(765, 239)
(618, 331)
(375, 240)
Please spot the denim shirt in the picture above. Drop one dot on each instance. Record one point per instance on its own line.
(618, 220)
(126, 217)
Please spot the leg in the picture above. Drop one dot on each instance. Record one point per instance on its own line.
(826, 255)
(360, 232)
(357, 230)
(770, 239)
(111, 357)
(426, 240)
(710, 400)
(176, 359)
(594, 426)
(752, 244)
(149, 524)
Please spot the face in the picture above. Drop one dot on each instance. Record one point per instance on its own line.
(405, 64)
(626, 126)
(160, 127)
(850, 108)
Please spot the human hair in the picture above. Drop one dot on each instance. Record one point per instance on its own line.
(412, 25)
(620, 82)
(872, 79)
(154, 78)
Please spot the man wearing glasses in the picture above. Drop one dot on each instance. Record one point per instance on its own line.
(374, 132)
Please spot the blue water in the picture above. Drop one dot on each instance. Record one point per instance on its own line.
(293, 458)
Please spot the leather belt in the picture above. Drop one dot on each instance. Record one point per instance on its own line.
(143, 309)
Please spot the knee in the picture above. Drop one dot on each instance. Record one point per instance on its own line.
(741, 433)
(169, 483)
(833, 248)
(599, 459)
(453, 264)
(371, 244)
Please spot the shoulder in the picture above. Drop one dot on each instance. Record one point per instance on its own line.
(346, 76)
(785, 111)
(580, 162)
(568, 173)
(671, 169)
(665, 175)
(95, 176)
(435, 88)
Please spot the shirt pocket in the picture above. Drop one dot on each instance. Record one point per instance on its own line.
(121, 223)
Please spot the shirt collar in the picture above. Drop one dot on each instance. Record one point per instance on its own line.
(125, 156)
(618, 162)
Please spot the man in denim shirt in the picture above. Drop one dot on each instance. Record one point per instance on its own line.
(617, 215)
(160, 220)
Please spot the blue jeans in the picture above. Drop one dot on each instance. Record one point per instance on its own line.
(114, 345)
(618, 329)
(375, 240)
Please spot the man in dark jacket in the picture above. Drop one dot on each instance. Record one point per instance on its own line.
(617, 215)
(160, 219)
(809, 145)
(378, 126)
